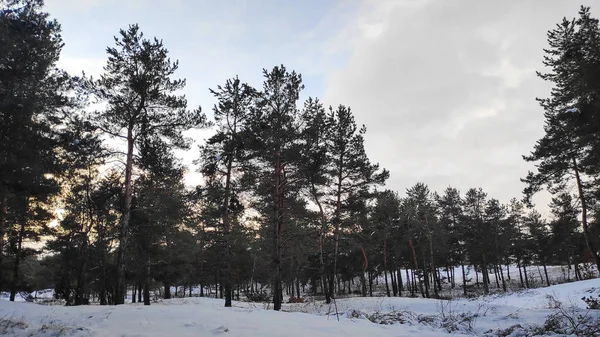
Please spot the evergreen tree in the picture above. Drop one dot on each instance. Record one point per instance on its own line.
(451, 213)
(224, 155)
(565, 229)
(350, 171)
(141, 104)
(565, 150)
(39, 133)
(275, 151)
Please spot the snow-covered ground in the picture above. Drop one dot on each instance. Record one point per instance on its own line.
(206, 317)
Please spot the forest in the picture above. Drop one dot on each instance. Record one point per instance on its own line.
(93, 202)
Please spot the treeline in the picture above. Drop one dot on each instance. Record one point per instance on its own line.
(289, 198)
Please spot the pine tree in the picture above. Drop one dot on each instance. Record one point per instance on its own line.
(275, 150)
(314, 165)
(451, 214)
(39, 133)
(564, 151)
(541, 245)
(477, 234)
(564, 227)
(142, 103)
(224, 155)
(350, 171)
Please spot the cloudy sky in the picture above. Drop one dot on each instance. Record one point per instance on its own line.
(446, 88)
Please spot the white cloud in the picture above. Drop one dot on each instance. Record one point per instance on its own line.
(447, 88)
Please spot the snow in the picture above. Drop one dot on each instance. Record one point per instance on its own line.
(197, 316)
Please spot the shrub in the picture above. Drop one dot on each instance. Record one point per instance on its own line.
(258, 297)
(296, 299)
(592, 303)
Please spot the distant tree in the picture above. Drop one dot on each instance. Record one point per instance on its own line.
(451, 214)
(384, 215)
(541, 245)
(478, 234)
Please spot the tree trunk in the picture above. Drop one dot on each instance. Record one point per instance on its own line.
(124, 228)
(133, 289)
(496, 276)
(432, 259)
(425, 275)
(591, 245)
(3, 216)
(147, 282)
(486, 279)
(520, 273)
(526, 277)
(410, 283)
(502, 277)
(546, 273)
(370, 284)
(387, 287)
(167, 288)
(16, 265)
(227, 231)
(400, 285)
(464, 277)
(277, 239)
(394, 282)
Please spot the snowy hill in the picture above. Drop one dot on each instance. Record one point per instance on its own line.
(392, 316)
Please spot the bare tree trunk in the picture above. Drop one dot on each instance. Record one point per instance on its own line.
(546, 273)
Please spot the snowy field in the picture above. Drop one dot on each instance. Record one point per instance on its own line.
(371, 317)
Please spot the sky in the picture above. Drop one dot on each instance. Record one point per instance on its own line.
(446, 88)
